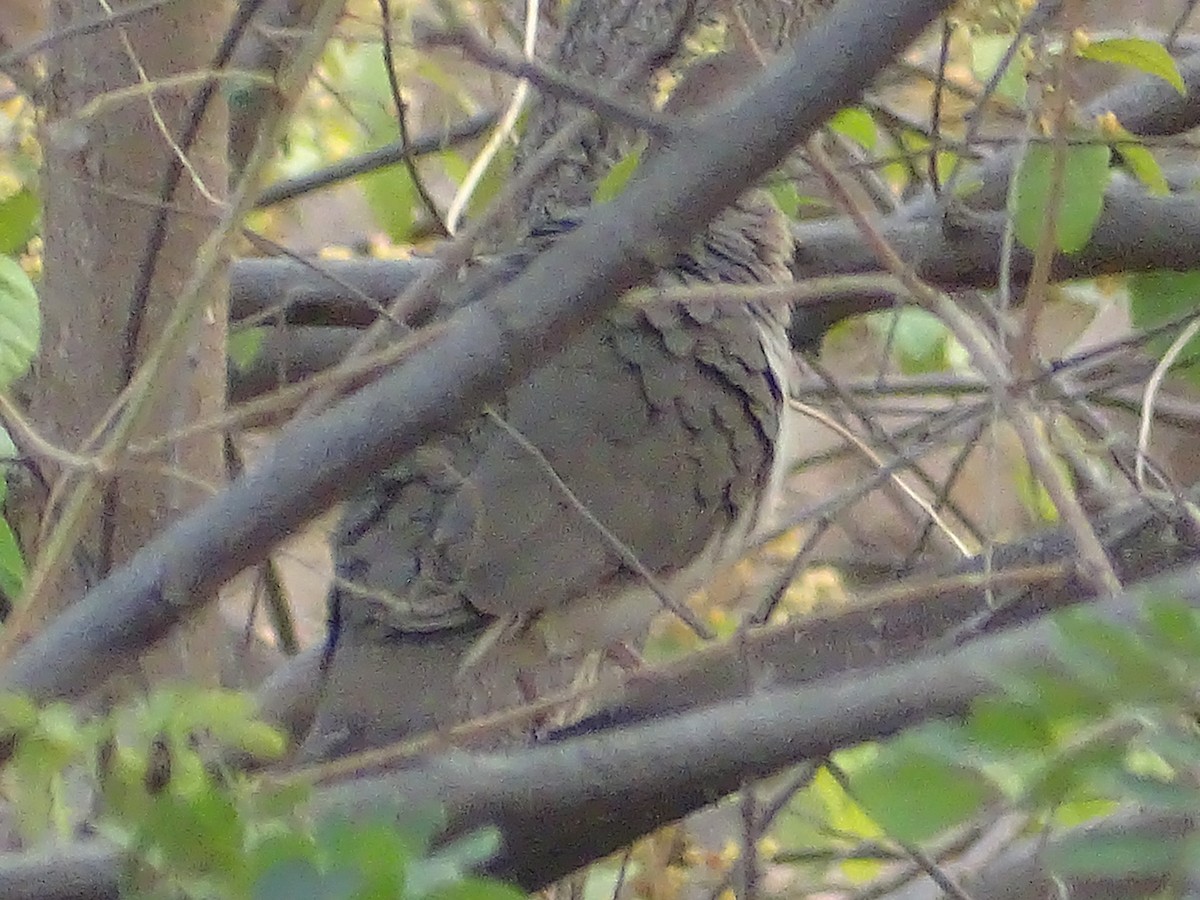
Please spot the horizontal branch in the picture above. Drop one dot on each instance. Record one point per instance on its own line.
(373, 160)
(1136, 232)
(562, 805)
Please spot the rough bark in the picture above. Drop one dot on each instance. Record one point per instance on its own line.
(105, 156)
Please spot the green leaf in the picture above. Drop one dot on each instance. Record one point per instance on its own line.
(1006, 725)
(200, 834)
(12, 564)
(1118, 660)
(1175, 628)
(791, 202)
(1085, 176)
(20, 321)
(19, 216)
(451, 865)
(393, 199)
(1054, 696)
(987, 50)
(856, 124)
(1155, 793)
(1113, 855)
(1158, 297)
(613, 184)
(1068, 775)
(919, 338)
(299, 879)
(915, 797)
(244, 346)
(1146, 56)
(1137, 158)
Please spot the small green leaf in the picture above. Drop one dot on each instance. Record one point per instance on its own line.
(1005, 725)
(1158, 297)
(1117, 658)
(1146, 56)
(1067, 775)
(613, 183)
(19, 215)
(919, 339)
(856, 124)
(1114, 855)
(17, 712)
(1054, 696)
(791, 202)
(915, 797)
(12, 564)
(1174, 627)
(244, 346)
(1137, 158)
(987, 51)
(393, 199)
(20, 321)
(1085, 177)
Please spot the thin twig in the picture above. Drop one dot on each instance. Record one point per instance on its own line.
(609, 107)
(410, 163)
(1152, 386)
(505, 128)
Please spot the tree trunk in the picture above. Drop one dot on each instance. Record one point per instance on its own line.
(105, 158)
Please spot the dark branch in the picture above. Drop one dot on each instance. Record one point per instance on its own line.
(373, 160)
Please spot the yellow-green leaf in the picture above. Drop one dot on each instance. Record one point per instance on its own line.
(1146, 56)
(244, 346)
(856, 124)
(1137, 158)
(19, 216)
(916, 797)
(612, 184)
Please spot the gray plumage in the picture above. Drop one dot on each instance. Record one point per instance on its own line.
(664, 421)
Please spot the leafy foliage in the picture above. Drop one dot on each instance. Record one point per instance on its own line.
(1107, 723)
(196, 830)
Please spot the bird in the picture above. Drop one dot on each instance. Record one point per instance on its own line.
(503, 555)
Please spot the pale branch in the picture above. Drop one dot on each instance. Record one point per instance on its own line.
(476, 353)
